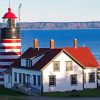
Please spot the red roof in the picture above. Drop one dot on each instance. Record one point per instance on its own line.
(82, 56)
(9, 14)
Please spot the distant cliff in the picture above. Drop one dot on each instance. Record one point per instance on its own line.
(58, 25)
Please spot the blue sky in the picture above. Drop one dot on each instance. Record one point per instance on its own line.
(54, 10)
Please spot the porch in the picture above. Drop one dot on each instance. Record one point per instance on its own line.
(26, 89)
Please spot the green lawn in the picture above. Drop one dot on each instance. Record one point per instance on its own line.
(9, 92)
(12, 98)
(18, 96)
(85, 93)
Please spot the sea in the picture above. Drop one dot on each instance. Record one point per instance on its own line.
(63, 38)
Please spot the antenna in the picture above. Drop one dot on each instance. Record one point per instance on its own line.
(9, 3)
(20, 5)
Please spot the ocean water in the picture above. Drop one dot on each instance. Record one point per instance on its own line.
(63, 38)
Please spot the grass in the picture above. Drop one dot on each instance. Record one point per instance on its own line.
(85, 93)
(90, 93)
(9, 92)
(12, 98)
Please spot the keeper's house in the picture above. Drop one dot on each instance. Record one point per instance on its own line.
(54, 69)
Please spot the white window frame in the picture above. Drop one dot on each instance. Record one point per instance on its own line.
(70, 66)
(55, 67)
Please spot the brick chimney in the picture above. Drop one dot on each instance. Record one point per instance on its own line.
(75, 43)
(51, 44)
(35, 43)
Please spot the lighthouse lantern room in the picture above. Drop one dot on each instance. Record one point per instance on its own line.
(10, 43)
(9, 23)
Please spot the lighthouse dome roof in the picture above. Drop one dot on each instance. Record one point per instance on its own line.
(9, 14)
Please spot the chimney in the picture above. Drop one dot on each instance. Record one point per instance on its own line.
(35, 43)
(51, 44)
(75, 43)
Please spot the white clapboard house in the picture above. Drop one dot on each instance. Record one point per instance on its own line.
(54, 69)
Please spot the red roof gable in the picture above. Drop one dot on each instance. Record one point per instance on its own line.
(9, 14)
(83, 55)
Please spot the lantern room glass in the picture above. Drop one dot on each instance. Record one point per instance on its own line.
(10, 23)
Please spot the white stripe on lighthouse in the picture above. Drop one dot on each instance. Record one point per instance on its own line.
(6, 63)
(1, 82)
(10, 50)
(1, 76)
(9, 56)
(3, 69)
(10, 44)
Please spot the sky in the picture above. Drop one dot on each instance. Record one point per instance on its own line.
(54, 10)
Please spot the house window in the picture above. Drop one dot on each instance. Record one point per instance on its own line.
(28, 62)
(23, 62)
(84, 77)
(20, 78)
(98, 76)
(24, 77)
(8, 78)
(28, 78)
(56, 65)
(69, 65)
(91, 77)
(15, 77)
(34, 80)
(74, 79)
(39, 80)
(52, 80)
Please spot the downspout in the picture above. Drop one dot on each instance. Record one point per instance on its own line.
(41, 82)
(11, 78)
(97, 77)
(83, 78)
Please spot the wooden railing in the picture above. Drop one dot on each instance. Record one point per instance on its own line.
(27, 89)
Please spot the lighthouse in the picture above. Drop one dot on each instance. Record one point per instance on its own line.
(10, 43)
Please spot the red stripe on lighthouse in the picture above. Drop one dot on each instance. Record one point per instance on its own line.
(10, 47)
(10, 41)
(7, 60)
(1, 79)
(4, 66)
(10, 53)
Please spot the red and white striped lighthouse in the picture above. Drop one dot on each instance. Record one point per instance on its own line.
(10, 43)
